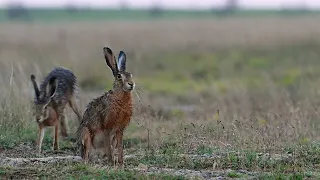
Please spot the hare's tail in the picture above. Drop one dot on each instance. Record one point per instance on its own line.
(83, 140)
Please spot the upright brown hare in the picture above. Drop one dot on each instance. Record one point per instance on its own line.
(110, 113)
(56, 90)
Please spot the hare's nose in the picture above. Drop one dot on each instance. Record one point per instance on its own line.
(131, 85)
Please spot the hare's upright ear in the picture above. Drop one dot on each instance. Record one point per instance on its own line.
(35, 86)
(110, 60)
(122, 59)
(52, 87)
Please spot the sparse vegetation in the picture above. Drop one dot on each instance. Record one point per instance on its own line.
(77, 171)
(234, 97)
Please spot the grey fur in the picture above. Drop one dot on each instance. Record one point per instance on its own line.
(122, 59)
(66, 85)
(56, 90)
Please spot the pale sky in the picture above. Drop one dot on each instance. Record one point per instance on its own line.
(180, 4)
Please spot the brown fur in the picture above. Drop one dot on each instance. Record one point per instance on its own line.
(108, 114)
(51, 120)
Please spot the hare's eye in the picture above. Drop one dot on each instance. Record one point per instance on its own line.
(119, 76)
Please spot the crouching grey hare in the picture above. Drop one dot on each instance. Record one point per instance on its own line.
(56, 90)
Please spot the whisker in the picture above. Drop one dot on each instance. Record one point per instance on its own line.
(140, 84)
(137, 93)
(140, 91)
(139, 88)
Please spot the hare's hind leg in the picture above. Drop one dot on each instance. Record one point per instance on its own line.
(64, 125)
(60, 110)
(74, 106)
(85, 145)
(40, 137)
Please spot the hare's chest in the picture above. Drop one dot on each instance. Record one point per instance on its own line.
(118, 118)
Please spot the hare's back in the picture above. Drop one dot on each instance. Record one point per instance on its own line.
(66, 81)
(96, 111)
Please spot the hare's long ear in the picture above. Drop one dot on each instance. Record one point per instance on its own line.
(122, 59)
(110, 60)
(35, 86)
(52, 87)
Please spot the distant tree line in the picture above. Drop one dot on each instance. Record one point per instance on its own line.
(230, 7)
(16, 11)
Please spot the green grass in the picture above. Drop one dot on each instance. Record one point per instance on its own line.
(280, 176)
(225, 70)
(54, 15)
(233, 174)
(204, 150)
(305, 158)
(77, 171)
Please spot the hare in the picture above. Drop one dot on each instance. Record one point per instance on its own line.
(56, 90)
(110, 113)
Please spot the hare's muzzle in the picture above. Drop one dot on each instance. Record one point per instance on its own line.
(130, 86)
(38, 119)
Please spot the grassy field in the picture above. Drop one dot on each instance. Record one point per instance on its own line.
(58, 15)
(231, 97)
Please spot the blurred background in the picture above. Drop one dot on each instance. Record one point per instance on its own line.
(225, 73)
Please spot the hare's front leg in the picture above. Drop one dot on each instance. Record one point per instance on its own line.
(42, 130)
(114, 143)
(56, 137)
(119, 146)
(108, 146)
